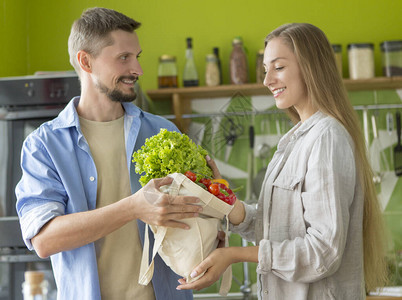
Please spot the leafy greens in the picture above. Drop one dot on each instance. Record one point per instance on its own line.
(169, 152)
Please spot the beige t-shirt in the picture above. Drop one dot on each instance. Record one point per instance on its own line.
(119, 253)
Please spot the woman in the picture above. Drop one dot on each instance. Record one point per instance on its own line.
(317, 225)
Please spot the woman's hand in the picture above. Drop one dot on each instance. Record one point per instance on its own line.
(216, 264)
(213, 266)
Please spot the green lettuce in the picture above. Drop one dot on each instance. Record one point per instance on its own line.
(169, 152)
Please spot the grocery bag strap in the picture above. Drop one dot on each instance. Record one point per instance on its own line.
(176, 183)
(147, 269)
(226, 281)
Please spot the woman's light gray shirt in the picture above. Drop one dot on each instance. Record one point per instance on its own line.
(308, 221)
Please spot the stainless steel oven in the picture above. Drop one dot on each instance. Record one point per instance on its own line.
(25, 103)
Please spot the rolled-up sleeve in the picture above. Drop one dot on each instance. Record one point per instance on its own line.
(36, 218)
(40, 194)
(246, 229)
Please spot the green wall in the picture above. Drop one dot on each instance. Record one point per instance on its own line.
(13, 38)
(34, 33)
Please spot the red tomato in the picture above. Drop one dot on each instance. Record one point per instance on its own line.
(205, 181)
(214, 189)
(191, 175)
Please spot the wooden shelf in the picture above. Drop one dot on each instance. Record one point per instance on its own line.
(377, 83)
(180, 96)
(250, 89)
(253, 89)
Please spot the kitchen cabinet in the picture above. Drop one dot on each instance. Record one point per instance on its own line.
(181, 97)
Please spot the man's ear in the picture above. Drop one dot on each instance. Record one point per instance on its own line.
(84, 60)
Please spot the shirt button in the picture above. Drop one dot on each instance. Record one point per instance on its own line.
(265, 292)
(92, 178)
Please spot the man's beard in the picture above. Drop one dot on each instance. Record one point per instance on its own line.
(115, 94)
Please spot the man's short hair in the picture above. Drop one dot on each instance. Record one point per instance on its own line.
(91, 32)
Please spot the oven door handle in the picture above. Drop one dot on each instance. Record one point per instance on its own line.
(20, 258)
(29, 114)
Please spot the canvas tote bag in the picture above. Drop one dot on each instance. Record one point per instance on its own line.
(182, 250)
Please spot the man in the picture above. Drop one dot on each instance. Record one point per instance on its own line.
(75, 200)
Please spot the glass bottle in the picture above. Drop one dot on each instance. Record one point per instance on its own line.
(35, 287)
(212, 74)
(216, 52)
(259, 67)
(167, 72)
(238, 63)
(190, 74)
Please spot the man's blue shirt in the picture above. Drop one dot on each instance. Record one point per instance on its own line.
(59, 177)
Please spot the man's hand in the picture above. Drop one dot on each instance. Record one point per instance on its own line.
(157, 208)
(221, 239)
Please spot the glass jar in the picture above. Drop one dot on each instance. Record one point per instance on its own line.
(212, 74)
(35, 287)
(238, 63)
(167, 72)
(361, 61)
(338, 57)
(259, 67)
(391, 52)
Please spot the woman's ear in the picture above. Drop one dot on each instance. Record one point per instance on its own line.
(84, 60)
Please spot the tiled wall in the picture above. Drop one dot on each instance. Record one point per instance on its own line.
(216, 119)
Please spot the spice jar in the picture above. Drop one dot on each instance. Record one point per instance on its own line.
(167, 72)
(391, 52)
(361, 61)
(238, 63)
(212, 74)
(338, 56)
(259, 67)
(35, 287)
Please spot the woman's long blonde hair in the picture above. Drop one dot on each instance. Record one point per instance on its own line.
(328, 94)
